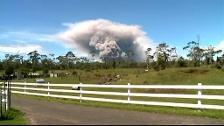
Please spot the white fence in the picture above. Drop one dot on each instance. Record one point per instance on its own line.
(5, 97)
(27, 88)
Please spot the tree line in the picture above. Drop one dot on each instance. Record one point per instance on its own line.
(163, 57)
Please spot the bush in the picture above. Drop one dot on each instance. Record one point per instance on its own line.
(45, 72)
(24, 72)
(75, 73)
(10, 114)
(218, 66)
(9, 70)
(195, 70)
(181, 62)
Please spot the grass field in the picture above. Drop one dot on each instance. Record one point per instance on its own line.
(13, 117)
(186, 76)
(139, 76)
(191, 76)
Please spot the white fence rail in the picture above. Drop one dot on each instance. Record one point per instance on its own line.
(28, 88)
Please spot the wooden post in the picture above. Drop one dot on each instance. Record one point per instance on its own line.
(9, 93)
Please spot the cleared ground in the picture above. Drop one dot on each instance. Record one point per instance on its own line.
(45, 112)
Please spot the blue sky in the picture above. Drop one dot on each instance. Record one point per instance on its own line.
(28, 23)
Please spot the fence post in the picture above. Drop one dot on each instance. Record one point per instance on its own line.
(48, 89)
(80, 92)
(24, 86)
(1, 100)
(199, 95)
(6, 97)
(10, 92)
(129, 91)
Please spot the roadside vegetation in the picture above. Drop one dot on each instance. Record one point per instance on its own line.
(13, 117)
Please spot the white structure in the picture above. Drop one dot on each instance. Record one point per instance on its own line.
(5, 95)
(53, 75)
(34, 74)
(79, 90)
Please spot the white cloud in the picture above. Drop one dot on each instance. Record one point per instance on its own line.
(20, 48)
(25, 36)
(220, 45)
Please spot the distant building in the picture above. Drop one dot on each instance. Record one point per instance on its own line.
(19, 75)
(53, 74)
(33, 74)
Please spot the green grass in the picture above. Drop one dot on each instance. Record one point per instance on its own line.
(219, 114)
(139, 76)
(176, 76)
(188, 76)
(13, 117)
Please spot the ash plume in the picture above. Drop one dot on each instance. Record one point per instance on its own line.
(107, 39)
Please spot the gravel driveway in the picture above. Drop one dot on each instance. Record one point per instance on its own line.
(51, 113)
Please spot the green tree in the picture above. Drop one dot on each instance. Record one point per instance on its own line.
(209, 54)
(13, 60)
(34, 58)
(62, 62)
(71, 59)
(181, 62)
(163, 54)
(9, 70)
(220, 62)
(195, 52)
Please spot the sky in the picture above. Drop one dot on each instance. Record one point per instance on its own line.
(27, 25)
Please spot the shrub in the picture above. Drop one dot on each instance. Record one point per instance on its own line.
(9, 70)
(10, 114)
(45, 72)
(75, 73)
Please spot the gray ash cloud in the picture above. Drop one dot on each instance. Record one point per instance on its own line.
(107, 39)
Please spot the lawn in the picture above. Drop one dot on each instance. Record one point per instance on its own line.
(187, 76)
(139, 76)
(172, 76)
(13, 117)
